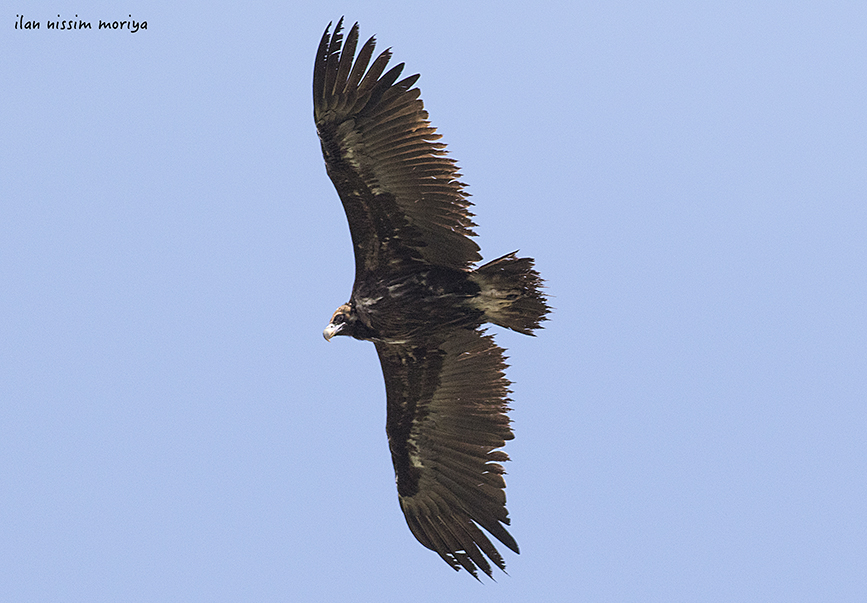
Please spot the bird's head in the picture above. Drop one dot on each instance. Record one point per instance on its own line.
(340, 322)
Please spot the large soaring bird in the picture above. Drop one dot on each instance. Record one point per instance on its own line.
(418, 298)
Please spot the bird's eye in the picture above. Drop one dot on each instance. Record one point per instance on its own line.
(339, 319)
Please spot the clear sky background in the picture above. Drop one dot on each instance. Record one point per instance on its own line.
(691, 178)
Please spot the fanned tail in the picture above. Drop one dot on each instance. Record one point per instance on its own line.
(511, 295)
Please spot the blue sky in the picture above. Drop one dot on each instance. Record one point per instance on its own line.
(690, 426)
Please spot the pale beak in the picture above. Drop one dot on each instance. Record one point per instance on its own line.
(331, 330)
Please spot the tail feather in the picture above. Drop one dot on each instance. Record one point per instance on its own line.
(511, 295)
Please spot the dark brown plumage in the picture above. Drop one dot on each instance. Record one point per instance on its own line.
(418, 298)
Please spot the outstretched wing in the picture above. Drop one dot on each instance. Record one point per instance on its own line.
(400, 192)
(446, 423)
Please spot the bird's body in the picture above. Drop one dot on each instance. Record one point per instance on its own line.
(418, 298)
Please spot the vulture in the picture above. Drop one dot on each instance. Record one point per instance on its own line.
(418, 297)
